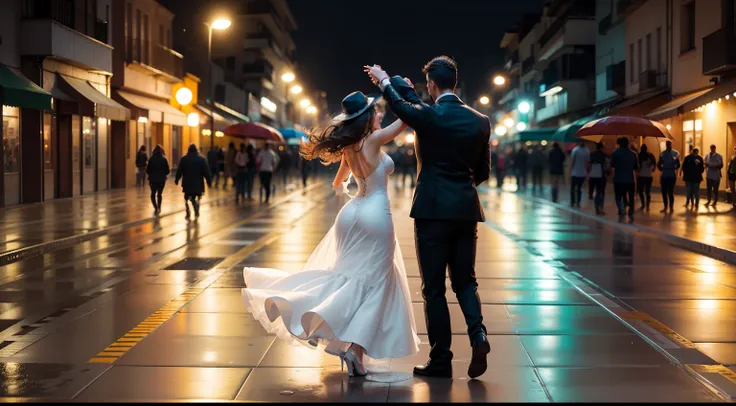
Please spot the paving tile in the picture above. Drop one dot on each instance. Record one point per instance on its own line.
(666, 383)
(508, 384)
(590, 351)
(165, 383)
(724, 353)
(37, 380)
(220, 301)
(555, 319)
(310, 385)
(506, 351)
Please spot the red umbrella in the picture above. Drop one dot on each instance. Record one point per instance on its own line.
(623, 126)
(256, 131)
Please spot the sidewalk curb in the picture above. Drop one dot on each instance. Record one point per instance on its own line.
(712, 251)
(20, 254)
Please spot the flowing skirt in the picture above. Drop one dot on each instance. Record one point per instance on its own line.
(353, 289)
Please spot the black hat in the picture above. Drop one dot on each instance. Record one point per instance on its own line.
(355, 104)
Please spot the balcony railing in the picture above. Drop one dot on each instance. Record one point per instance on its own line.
(579, 9)
(64, 13)
(262, 68)
(719, 53)
(158, 57)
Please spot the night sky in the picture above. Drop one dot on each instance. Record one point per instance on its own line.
(336, 38)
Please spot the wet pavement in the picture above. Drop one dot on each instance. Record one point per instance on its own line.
(153, 312)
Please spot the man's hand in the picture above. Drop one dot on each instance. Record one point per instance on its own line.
(376, 73)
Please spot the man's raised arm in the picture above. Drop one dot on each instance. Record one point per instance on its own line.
(414, 113)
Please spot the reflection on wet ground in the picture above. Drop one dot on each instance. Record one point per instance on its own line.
(157, 310)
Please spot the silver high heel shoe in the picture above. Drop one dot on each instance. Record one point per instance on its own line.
(355, 367)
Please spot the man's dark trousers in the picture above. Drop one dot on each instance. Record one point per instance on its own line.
(441, 245)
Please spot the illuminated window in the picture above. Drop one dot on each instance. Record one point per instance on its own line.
(11, 139)
(692, 131)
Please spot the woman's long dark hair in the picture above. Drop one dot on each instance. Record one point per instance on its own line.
(328, 144)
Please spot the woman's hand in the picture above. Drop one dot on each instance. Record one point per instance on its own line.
(407, 80)
(376, 73)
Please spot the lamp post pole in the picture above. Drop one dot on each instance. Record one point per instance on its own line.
(209, 84)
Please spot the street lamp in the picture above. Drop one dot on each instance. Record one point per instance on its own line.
(499, 80)
(524, 107)
(305, 103)
(484, 100)
(288, 77)
(296, 89)
(311, 110)
(508, 122)
(217, 24)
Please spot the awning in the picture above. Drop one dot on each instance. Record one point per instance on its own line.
(155, 110)
(97, 104)
(221, 122)
(566, 133)
(640, 104)
(675, 106)
(725, 89)
(16, 90)
(228, 111)
(536, 134)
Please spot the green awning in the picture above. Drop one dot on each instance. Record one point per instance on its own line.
(16, 90)
(536, 134)
(566, 133)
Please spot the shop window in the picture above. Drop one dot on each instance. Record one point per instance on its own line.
(48, 156)
(692, 131)
(89, 136)
(11, 139)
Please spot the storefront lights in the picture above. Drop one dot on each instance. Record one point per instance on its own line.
(508, 122)
(500, 130)
(142, 119)
(524, 107)
(521, 126)
(219, 134)
(184, 96)
(193, 119)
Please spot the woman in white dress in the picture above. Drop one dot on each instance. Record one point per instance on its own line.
(352, 297)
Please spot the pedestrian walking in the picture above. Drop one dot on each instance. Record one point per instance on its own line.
(221, 167)
(624, 163)
(713, 163)
(692, 173)
(537, 163)
(158, 170)
(521, 162)
(305, 168)
(731, 171)
(252, 169)
(230, 169)
(498, 163)
(668, 164)
(212, 156)
(267, 162)
(597, 172)
(647, 165)
(578, 168)
(193, 171)
(141, 162)
(241, 171)
(556, 161)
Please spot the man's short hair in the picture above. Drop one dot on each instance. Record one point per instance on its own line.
(442, 70)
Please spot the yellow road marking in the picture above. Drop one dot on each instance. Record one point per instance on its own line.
(717, 369)
(658, 326)
(146, 327)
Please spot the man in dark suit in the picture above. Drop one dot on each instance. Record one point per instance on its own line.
(453, 155)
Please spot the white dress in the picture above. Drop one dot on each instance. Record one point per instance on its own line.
(353, 288)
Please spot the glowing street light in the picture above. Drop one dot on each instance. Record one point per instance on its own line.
(184, 96)
(508, 122)
(296, 89)
(521, 126)
(311, 110)
(193, 119)
(484, 100)
(500, 130)
(288, 77)
(221, 24)
(499, 80)
(524, 107)
(409, 138)
(305, 103)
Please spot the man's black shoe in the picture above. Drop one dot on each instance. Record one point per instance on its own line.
(434, 369)
(479, 364)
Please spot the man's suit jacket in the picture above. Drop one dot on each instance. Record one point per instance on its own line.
(453, 153)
